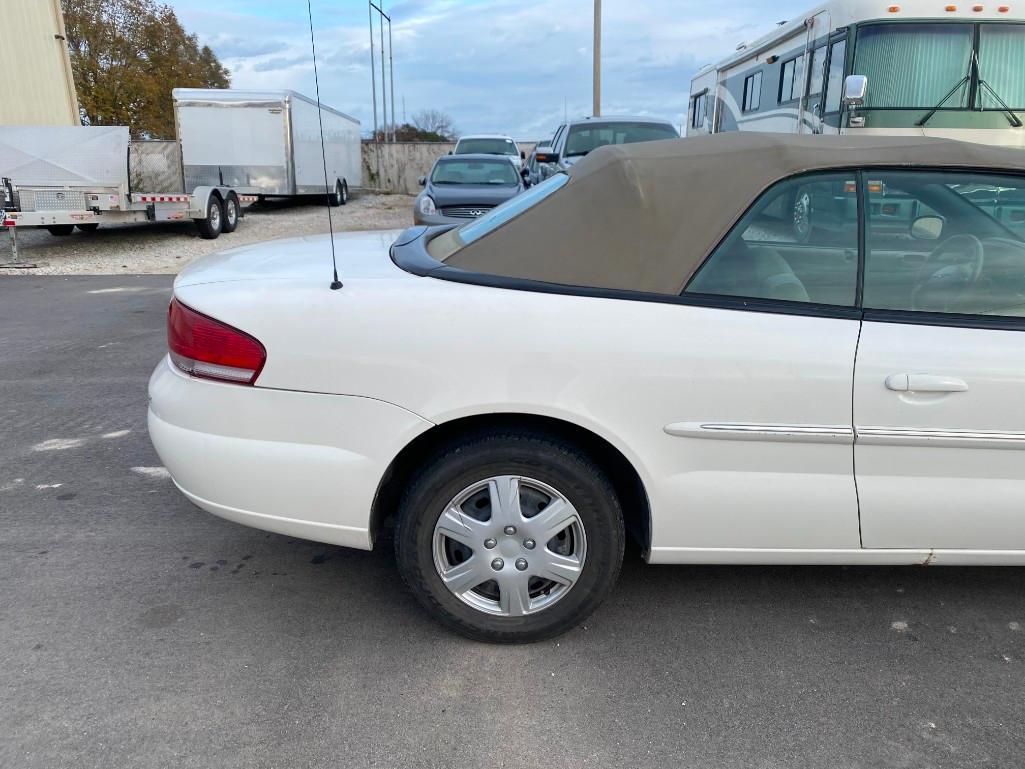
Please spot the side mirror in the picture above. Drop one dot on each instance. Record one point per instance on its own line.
(548, 157)
(927, 228)
(855, 90)
(523, 155)
(422, 181)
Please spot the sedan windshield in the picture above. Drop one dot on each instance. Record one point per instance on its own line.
(486, 147)
(499, 173)
(590, 136)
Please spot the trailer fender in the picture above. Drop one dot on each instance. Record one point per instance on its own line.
(201, 198)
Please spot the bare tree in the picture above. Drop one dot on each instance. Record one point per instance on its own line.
(432, 121)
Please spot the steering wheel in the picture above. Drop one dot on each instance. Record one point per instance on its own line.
(954, 267)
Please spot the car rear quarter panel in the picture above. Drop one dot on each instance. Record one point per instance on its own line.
(621, 369)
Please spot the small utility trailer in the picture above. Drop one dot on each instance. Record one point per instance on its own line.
(63, 177)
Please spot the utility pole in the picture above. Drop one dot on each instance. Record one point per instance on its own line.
(597, 58)
(373, 88)
(391, 72)
(384, 83)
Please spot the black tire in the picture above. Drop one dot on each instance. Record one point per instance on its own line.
(548, 460)
(211, 227)
(340, 196)
(60, 230)
(89, 226)
(232, 213)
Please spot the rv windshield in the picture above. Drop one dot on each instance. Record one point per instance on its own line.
(922, 65)
(1001, 51)
(915, 65)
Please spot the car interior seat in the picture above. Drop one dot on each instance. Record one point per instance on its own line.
(752, 271)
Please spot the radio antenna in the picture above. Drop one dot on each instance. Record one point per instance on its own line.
(335, 283)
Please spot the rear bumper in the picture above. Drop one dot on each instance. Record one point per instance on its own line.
(301, 464)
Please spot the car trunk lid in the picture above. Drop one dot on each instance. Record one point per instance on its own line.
(360, 255)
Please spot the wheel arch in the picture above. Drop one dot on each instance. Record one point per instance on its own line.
(629, 486)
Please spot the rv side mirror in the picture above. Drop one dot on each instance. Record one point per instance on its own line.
(855, 89)
(422, 181)
(927, 228)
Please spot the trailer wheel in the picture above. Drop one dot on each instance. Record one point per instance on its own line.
(88, 226)
(232, 213)
(340, 196)
(60, 230)
(211, 226)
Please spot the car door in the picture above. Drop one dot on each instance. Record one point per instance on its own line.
(940, 374)
(763, 439)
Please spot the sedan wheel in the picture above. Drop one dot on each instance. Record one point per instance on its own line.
(510, 538)
(509, 546)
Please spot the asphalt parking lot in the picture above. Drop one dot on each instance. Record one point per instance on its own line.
(138, 631)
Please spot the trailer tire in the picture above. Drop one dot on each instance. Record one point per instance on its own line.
(211, 226)
(232, 213)
(340, 196)
(60, 230)
(88, 226)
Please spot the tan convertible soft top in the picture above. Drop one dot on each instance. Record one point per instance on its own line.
(643, 217)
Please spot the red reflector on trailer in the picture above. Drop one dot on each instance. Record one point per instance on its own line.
(206, 348)
(9, 223)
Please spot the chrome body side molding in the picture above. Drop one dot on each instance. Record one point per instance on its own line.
(969, 439)
(740, 431)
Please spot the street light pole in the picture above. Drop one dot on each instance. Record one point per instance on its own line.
(597, 58)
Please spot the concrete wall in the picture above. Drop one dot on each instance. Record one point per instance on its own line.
(403, 163)
(38, 85)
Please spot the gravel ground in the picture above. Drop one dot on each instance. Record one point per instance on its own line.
(165, 248)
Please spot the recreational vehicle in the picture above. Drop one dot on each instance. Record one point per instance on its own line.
(913, 67)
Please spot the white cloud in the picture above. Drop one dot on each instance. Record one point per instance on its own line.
(493, 65)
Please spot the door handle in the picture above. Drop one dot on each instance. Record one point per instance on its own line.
(925, 383)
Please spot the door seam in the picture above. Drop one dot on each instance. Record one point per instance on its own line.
(854, 429)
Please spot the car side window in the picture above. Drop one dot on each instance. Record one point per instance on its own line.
(945, 242)
(798, 243)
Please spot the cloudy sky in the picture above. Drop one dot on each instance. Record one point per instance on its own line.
(493, 65)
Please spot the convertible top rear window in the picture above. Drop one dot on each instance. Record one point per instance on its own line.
(449, 243)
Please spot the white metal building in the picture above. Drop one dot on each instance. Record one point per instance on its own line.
(38, 85)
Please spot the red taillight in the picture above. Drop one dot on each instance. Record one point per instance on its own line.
(207, 348)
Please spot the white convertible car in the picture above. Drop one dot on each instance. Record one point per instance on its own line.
(737, 349)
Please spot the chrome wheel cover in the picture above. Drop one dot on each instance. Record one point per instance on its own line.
(509, 546)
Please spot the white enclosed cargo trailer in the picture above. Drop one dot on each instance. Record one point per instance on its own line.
(267, 143)
(63, 177)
